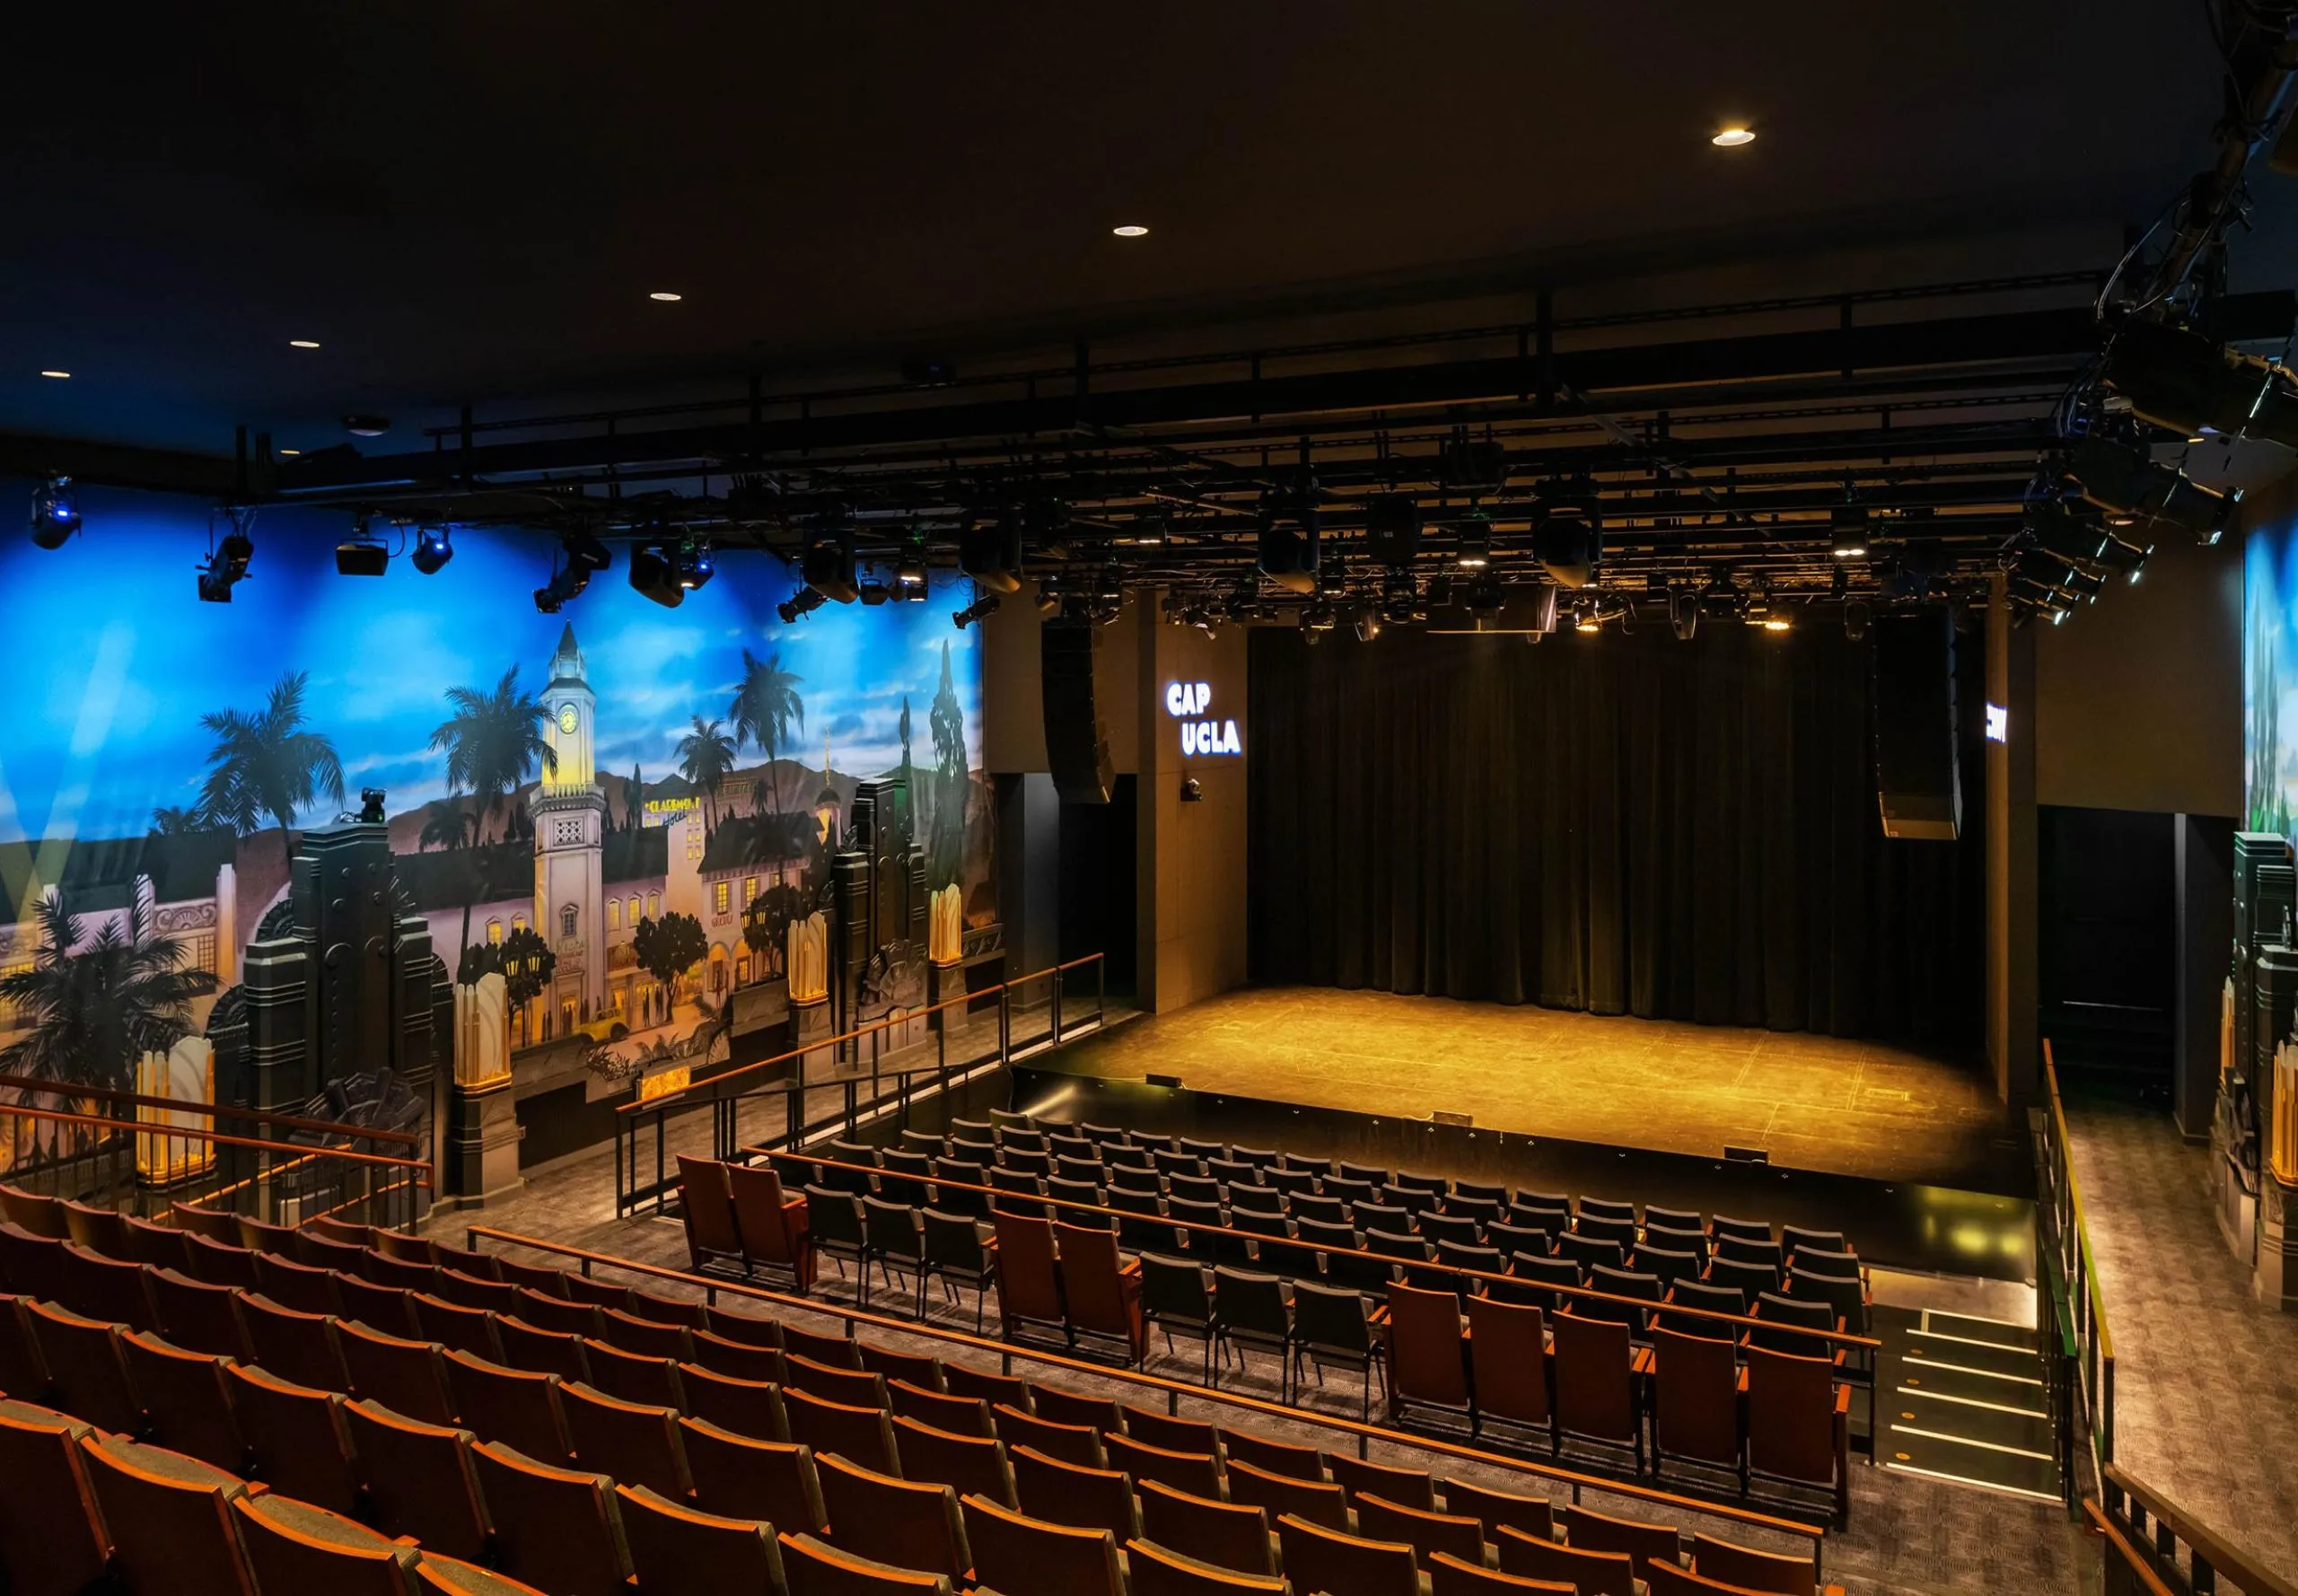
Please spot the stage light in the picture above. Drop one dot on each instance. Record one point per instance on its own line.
(655, 574)
(2127, 558)
(59, 377)
(663, 296)
(1047, 600)
(874, 592)
(1288, 549)
(1683, 613)
(2179, 379)
(981, 608)
(1130, 230)
(803, 602)
(1566, 540)
(990, 551)
(226, 567)
(2121, 477)
(1731, 138)
(1588, 623)
(366, 426)
(55, 513)
(1393, 528)
(1854, 619)
(1045, 523)
(696, 564)
(1368, 621)
(303, 343)
(1472, 549)
(433, 549)
(1776, 623)
(1849, 528)
(362, 554)
(909, 568)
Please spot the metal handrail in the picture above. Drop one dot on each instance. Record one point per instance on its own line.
(2075, 1301)
(181, 1105)
(2134, 1510)
(158, 1132)
(1832, 1338)
(1172, 1389)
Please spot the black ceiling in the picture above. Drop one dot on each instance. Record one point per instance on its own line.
(470, 201)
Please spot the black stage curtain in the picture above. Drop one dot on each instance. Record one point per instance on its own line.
(1626, 824)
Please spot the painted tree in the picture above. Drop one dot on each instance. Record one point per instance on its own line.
(527, 965)
(765, 706)
(667, 947)
(494, 741)
(946, 856)
(268, 765)
(172, 821)
(97, 1002)
(705, 758)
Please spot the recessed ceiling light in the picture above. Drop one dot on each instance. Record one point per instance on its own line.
(291, 451)
(664, 296)
(1851, 551)
(1131, 230)
(1731, 138)
(303, 343)
(57, 374)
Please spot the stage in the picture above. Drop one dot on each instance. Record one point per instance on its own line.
(1811, 1103)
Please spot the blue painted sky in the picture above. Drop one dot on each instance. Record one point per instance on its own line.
(113, 660)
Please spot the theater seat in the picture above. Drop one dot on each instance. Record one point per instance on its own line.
(556, 1529)
(1333, 1563)
(292, 1546)
(871, 1511)
(298, 1441)
(971, 1465)
(638, 1444)
(742, 1478)
(170, 1519)
(420, 1480)
(1157, 1570)
(1015, 1553)
(52, 1538)
(187, 1403)
(674, 1549)
(813, 1567)
(1226, 1535)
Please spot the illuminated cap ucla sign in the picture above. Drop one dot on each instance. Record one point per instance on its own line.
(1188, 702)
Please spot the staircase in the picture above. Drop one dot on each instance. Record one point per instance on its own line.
(1961, 1399)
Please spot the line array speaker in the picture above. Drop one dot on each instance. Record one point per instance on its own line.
(1912, 690)
(1076, 748)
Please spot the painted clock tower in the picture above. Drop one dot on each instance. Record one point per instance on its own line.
(570, 812)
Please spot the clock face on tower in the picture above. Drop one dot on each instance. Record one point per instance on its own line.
(567, 719)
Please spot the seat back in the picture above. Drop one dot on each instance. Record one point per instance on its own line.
(1492, 1509)
(298, 1442)
(52, 1538)
(856, 1387)
(1101, 1300)
(1428, 1361)
(971, 1465)
(458, 1325)
(187, 1407)
(1508, 1353)
(213, 1223)
(739, 1359)
(744, 1478)
(672, 1547)
(1644, 1544)
(1015, 1553)
(746, 1407)
(384, 1307)
(1198, 1473)
(420, 1480)
(161, 1245)
(707, 1206)
(1427, 1533)
(1449, 1577)
(556, 1529)
(628, 1377)
(325, 1252)
(169, 1518)
(1063, 1493)
(963, 1380)
(531, 1347)
(959, 1416)
(34, 1213)
(860, 1435)
(770, 1223)
(1228, 1535)
(1592, 1573)
(1156, 1570)
(199, 1317)
(103, 1287)
(518, 1408)
(873, 1510)
(813, 1567)
(1273, 1457)
(1595, 1392)
(1329, 1321)
(1792, 1428)
(1316, 1501)
(921, 1370)
(1334, 1564)
(1406, 1488)
(635, 1443)
(645, 1337)
(1027, 1289)
(85, 1371)
(1694, 1397)
(408, 1377)
(1098, 1414)
(832, 1352)
(1169, 1430)
(1728, 1564)
(471, 1291)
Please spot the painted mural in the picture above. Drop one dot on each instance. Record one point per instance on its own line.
(619, 808)
(2270, 680)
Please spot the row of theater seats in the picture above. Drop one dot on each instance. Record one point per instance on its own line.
(619, 1494)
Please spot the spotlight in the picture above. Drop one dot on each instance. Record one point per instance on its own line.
(1046, 523)
(1288, 552)
(364, 553)
(2181, 380)
(1854, 619)
(1472, 551)
(1731, 138)
(584, 556)
(2130, 558)
(1393, 528)
(1683, 613)
(1486, 595)
(1588, 623)
(2120, 476)
(366, 426)
(909, 568)
(1848, 526)
(990, 551)
(874, 592)
(828, 565)
(1776, 622)
(803, 602)
(1317, 616)
(371, 806)
(693, 561)
(1047, 600)
(226, 567)
(1567, 538)
(1721, 598)
(655, 574)
(1368, 621)
(980, 610)
(56, 512)
(432, 549)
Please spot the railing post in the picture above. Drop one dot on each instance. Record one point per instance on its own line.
(1057, 1005)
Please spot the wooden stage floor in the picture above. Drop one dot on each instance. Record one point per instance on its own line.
(1811, 1103)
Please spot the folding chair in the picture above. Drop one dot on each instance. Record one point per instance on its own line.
(628, 1377)
(1273, 1457)
(1427, 1533)
(1644, 1545)
(1157, 1571)
(959, 1416)
(197, 1317)
(1592, 1573)
(540, 1351)
(1316, 1501)
(1406, 1488)
(1076, 1444)
(1532, 1514)
(1509, 1362)
(86, 1374)
(813, 1567)
(1427, 1353)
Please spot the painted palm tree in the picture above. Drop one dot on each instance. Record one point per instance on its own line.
(267, 765)
(706, 756)
(448, 824)
(764, 709)
(96, 1004)
(174, 821)
(493, 743)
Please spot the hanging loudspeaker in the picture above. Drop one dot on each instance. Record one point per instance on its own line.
(1911, 676)
(1077, 750)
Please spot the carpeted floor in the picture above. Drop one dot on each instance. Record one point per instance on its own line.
(1813, 1102)
(1906, 1535)
(2206, 1380)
